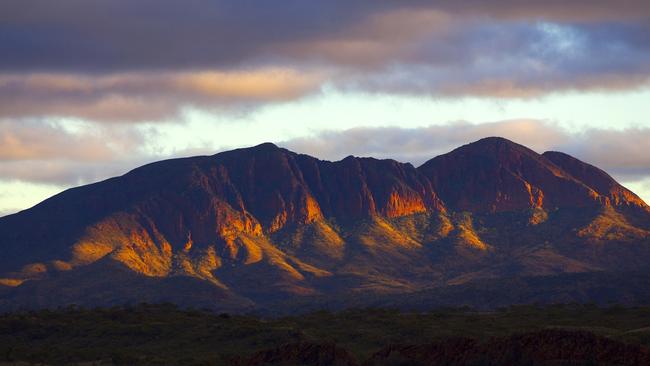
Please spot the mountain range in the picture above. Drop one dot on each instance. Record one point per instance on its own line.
(263, 226)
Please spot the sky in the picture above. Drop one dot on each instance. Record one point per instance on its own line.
(93, 89)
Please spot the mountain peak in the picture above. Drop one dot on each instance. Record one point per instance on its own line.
(496, 174)
(266, 151)
(498, 144)
(493, 140)
(266, 146)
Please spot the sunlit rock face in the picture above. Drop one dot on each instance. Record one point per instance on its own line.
(265, 223)
(359, 187)
(280, 188)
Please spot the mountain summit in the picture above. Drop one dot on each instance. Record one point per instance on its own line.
(495, 174)
(247, 227)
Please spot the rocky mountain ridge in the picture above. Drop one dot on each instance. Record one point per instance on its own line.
(263, 223)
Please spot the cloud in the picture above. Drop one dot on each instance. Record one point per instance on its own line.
(68, 153)
(109, 35)
(515, 60)
(623, 153)
(398, 52)
(146, 96)
(72, 58)
(39, 140)
(114, 35)
(557, 10)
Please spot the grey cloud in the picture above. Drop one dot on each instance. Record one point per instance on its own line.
(624, 153)
(147, 96)
(70, 154)
(146, 60)
(162, 34)
(38, 140)
(505, 60)
(557, 10)
(65, 154)
(517, 60)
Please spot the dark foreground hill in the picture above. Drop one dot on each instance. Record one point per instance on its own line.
(250, 228)
(165, 335)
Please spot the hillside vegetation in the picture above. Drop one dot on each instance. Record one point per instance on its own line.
(165, 334)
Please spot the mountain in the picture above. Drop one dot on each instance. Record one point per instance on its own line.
(497, 175)
(249, 227)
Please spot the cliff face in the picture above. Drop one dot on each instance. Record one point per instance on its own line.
(263, 221)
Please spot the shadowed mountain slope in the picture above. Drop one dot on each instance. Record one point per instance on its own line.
(596, 179)
(264, 223)
(495, 175)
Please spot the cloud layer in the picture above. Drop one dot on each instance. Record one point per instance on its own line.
(54, 153)
(112, 35)
(145, 96)
(146, 60)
